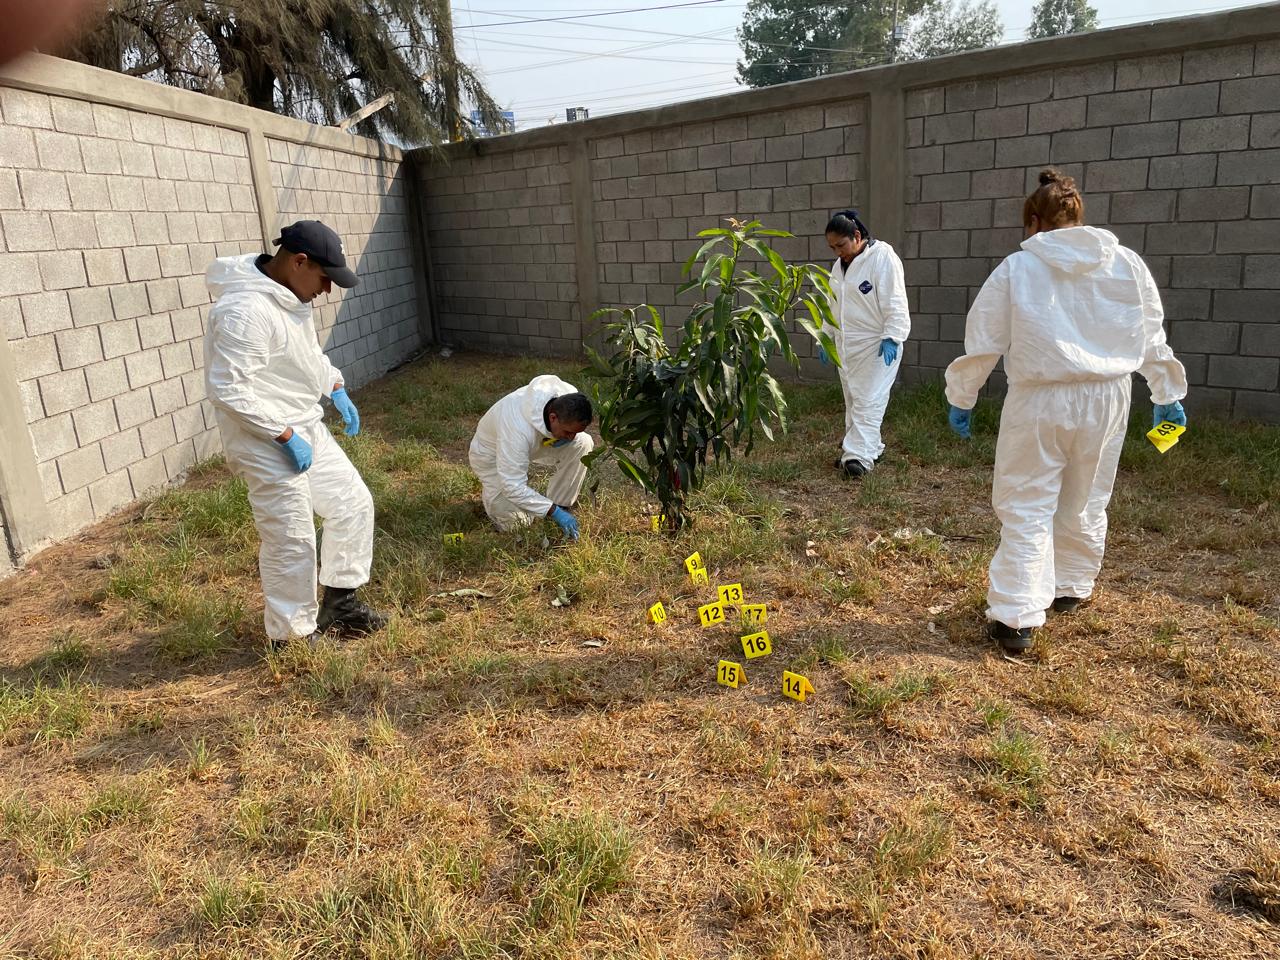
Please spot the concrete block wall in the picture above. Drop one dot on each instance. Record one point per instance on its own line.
(503, 257)
(115, 195)
(371, 328)
(1172, 129)
(654, 190)
(1176, 153)
(108, 219)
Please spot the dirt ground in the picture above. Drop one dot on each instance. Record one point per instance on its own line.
(530, 769)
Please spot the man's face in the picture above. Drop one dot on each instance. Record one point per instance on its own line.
(846, 248)
(561, 430)
(307, 278)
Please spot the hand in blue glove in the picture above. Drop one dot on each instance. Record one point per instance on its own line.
(888, 351)
(1172, 412)
(350, 415)
(567, 522)
(298, 451)
(959, 420)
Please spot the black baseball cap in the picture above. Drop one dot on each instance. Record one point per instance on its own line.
(321, 244)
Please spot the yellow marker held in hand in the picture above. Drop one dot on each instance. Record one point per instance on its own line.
(730, 674)
(657, 614)
(730, 594)
(453, 539)
(1165, 434)
(698, 576)
(711, 614)
(693, 562)
(757, 645)
(754, 613)
(795, 686)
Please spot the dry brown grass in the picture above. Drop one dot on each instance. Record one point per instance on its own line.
(496, 777)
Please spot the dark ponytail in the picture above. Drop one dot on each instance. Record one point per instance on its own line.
(845, 223)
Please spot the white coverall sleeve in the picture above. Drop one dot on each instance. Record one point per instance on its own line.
(986, 340)
(513, 468)
(334, 375)
(239, 353)
(1163, 372)
(891, 297)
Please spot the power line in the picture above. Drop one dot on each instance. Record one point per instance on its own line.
(609, 13)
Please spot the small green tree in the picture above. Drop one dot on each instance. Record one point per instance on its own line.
(1053, 18)
(665, 412)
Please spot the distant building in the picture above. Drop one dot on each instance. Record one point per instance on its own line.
(508, 124)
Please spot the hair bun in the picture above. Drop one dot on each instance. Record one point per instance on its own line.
(1051, 175)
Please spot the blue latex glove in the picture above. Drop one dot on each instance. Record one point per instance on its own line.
(565, 520)
(350, 415)
(298, 451)
(888, 351)
(959, 420)
(1172, 412)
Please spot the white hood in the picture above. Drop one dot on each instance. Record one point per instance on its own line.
(234, 275)
(1074, 249)
(263, 365)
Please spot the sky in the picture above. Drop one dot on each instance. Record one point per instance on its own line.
(610, 61)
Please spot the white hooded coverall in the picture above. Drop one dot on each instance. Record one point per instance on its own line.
(870, 304)
(265, 372)
(511, 436)
(1074, 314)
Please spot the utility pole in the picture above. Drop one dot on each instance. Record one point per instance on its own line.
(894, 36)
(449, 73)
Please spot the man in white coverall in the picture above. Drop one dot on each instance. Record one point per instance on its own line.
(870, 305)
(544, 423)
(265, 374)
(1074, 314)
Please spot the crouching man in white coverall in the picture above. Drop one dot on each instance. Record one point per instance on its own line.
(542, 423)
(870, 305)
(265, 374)
(1074, 314)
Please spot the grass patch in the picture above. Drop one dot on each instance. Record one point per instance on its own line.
(1014, 769)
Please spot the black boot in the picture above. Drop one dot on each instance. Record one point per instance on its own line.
(1011, 639)
(853, 469)
(344, 614)
(1067, 604)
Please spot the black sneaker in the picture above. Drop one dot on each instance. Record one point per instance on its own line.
(342, 613)
(1067, 604)
(853, 469)
(1011, 640)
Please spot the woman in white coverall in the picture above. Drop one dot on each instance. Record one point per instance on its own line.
(869, 301)
(543, 423)
(265, 374)
(1074, 314)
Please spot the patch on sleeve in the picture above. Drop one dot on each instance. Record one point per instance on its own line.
(865, 286)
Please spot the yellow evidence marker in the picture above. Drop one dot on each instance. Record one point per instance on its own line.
(1164, 435)
(658, 522)
(729, 674)
(693, 562)
(711, 614)
(731, 594)
(453, 539)
(757, 645)
(754, 612)
(657, 613)
(795, 686)
(698, 576)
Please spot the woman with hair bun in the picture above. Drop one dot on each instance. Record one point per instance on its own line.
(869, 301)
(1074, 314)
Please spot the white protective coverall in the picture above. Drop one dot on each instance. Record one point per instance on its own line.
(265, 372)
(1074, 314)
(511, 436)
(870, 304)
